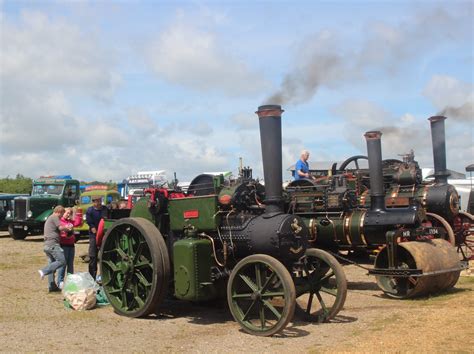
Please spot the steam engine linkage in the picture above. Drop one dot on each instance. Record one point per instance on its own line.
(257, 245)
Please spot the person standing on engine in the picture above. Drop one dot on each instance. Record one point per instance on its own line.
(93, 216)
(52, 248)
(67, 241)
(302, 166)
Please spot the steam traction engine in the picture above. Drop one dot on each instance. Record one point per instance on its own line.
(223, 237)
(414, 259)
(403, 184)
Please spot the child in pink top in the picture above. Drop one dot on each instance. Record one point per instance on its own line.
(67, 241)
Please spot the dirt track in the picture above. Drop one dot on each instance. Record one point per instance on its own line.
(33, 320)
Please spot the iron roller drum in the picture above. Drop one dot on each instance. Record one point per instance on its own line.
(135, 267)
(431, 257)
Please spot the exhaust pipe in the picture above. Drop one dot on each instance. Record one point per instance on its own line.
(270, 138)
(378, 220)
(438, 139)
(374, 152)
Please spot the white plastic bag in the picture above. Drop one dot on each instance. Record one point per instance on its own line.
(80, 291)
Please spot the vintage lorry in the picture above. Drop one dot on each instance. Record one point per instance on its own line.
(6, 205)
(29, 213)
(108, 197)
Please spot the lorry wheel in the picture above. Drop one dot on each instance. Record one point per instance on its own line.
(135, 267)
(261, 295)
(17, 234)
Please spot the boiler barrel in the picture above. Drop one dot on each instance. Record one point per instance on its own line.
(282, 236)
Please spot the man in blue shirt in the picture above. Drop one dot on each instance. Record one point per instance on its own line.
(302, 166)
(93, 215)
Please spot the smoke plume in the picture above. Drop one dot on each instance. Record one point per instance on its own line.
(326, 59)
(464, 112)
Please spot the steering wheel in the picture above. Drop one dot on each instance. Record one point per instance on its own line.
(354, 159)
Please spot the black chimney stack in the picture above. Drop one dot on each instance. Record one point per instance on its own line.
(374, 152)
(439, 148)
(270, 138)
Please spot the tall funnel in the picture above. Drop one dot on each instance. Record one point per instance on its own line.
(439, 148)
(270, 138)
(374, 152)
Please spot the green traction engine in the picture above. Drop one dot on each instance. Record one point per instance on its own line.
(223, 238)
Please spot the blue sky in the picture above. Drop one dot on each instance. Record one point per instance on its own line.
(103, 89)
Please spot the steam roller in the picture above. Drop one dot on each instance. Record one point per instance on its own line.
(415, 260)
(404, 184)
(415, 256)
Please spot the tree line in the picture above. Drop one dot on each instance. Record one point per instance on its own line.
(19, 184)
(22, 185)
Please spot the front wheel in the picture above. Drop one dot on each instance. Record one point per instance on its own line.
(261, 295)
(17, 234)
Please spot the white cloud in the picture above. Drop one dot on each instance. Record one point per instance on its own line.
(401, 134)
(244, 121)
(45, 53)
(44, 64)
(193, 58)
(33, 120)
(407, 118)
(330, 59)
(47, 65)
(51, 68)
(141, 120)
(364, 114)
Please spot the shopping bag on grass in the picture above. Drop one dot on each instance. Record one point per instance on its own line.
(80, 291)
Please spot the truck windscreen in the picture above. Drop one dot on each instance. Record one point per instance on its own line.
(52, 189)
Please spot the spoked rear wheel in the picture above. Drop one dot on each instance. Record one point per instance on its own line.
(135, 267)
(464, 230)
(327, 283)
(261, 295)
